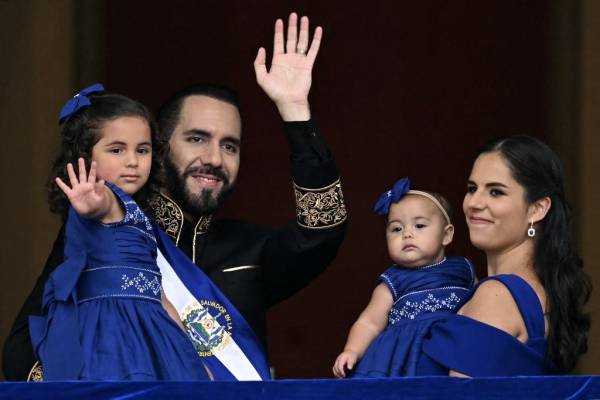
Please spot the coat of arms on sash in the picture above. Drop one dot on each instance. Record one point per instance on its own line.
(208, 325)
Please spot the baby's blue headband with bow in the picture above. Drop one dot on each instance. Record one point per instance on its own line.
(399, 190)
(79, 101)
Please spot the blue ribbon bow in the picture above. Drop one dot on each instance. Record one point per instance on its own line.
(400, 188)
(78, 101)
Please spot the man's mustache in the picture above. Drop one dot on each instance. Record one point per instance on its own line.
(208, 170)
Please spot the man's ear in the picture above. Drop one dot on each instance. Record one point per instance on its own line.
(539, 208)
(448, 234)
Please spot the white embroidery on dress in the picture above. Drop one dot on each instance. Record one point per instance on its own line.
(446, 288)
(141, 283)
(471, 270)
(136, 215)
(431, 303)
(118, 295)
(143, 232)
(432, 265)
(390, 285)
(105, 267)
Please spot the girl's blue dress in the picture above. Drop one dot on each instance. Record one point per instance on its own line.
(105, 320)
(421, 296)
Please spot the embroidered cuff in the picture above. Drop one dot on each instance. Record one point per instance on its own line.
(320, 208)
(36, 374)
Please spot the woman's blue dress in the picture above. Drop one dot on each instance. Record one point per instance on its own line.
(105, 320)
(476, 349)
(421, 296)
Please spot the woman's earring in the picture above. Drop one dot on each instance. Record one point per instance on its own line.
(531, 230)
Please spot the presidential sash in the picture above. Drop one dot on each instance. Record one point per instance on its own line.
(221, 336)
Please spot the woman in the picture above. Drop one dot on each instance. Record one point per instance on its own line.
(527, 317)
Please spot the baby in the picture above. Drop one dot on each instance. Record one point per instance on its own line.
(421, 287)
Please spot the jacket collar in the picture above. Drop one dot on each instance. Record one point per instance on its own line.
(170, 218)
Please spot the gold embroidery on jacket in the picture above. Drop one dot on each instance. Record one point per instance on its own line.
(201, 228)
(168, 215)
(36, 374)
(170, 218)
(320, 208)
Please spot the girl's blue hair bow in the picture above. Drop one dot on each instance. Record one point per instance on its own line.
(78, 101)
(400, 188)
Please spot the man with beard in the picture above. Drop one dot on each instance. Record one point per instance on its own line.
(255, 266)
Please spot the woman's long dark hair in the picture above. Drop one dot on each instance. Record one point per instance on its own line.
(82, 131)
(560, 269)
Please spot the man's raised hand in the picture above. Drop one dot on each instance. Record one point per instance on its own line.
(288, 81)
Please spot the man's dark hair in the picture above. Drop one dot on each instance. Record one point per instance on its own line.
(168, 114)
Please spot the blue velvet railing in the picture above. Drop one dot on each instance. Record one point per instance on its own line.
(563, 387)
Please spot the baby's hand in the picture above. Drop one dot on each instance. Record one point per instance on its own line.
(345, 361)
(87, 196)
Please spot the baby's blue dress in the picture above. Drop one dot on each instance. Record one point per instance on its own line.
(476, 349)
(421, 296)
(105, 320)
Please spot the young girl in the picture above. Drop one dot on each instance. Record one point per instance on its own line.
(422, 286)
(106, 314)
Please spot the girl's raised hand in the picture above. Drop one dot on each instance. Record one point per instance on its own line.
(88, 197)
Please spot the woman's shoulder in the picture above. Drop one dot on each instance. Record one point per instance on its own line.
(489, 296)
(493, 304)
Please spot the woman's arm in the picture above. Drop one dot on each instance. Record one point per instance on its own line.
(493, 305)
(369, 324)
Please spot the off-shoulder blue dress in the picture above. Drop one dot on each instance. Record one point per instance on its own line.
(476, 349)
(421, 296)
(105, 320)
